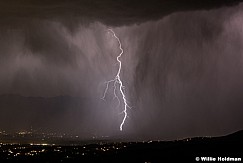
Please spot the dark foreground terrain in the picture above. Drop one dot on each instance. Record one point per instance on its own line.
(217, 149)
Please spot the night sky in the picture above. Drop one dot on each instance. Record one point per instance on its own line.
(182, 67)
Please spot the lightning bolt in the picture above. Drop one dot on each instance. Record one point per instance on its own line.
(117, 84)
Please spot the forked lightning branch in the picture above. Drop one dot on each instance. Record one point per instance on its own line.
(117, 84)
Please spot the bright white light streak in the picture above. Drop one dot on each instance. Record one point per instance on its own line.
(117, 84)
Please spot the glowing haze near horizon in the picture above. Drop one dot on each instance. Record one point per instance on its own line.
(183, 74)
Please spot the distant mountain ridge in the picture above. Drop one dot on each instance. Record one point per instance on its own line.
(21, 112)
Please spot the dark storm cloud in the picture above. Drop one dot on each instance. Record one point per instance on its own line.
(182, 72)
(46, 40)
(118, 12)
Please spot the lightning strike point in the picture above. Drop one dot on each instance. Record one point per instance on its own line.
(117, 84)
